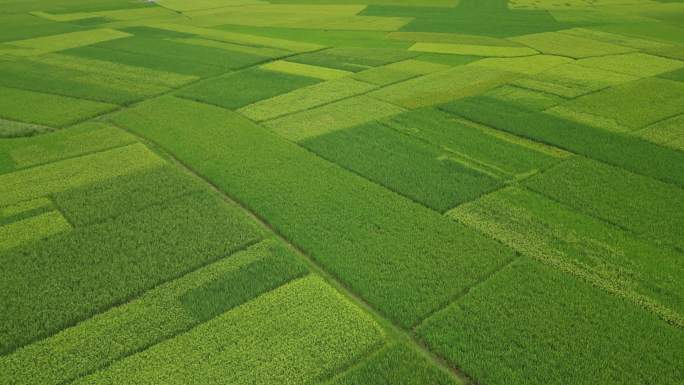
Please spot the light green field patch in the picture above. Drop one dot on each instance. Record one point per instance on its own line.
(238, 38)
(47, 109)
(155, 316)
(451, 38)
(274, 15)
(395, 72)
(473, 50)
(69, 40)
(260, 51)
(304, 98)
(346, 113)
(572, 80)
(614, 38)
(292, 335)
(118, 15)
(526, 97)
(442, 86)
(588, 118)
(669, 132)
(350, 23)
(635, 64)
(580, 245)
(183, 5)
(29, 229)
(113, 71)
(305, 70)
(528, 65)
(22, 207)
(555, 43)
(90, 137)
(642, 102)
(60, 176)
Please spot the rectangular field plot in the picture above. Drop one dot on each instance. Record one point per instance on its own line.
(47, 109)
(395, 72)
(421, 172)
(238, 89)
(403, 258)
(331, 117)
(641, 103)
(473, 50)
(312, 71)
(305, 98)
(669, 132)
(292, 335)
(635, 64)
(50, 290)
(556, 43)
(63, 175)
(353, 59)
(443, 86)
(625, 151)
(521, 325)
(89, 79)
(476, 146)
(536, 100)
(157, 315)
(573, 80)
(14, 129)
(593, 250)
(77, 140)
(240, 38)
(68, 40)
(32, 228)
(609, 192)
(525, 65)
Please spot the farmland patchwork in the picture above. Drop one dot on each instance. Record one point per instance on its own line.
(367, 192)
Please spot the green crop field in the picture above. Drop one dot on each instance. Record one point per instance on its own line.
(342, 192)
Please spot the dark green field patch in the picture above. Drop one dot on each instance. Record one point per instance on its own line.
(625, 151)
(236, 287)
(239, 89)
(475, 145)
(396, 364)
(353, 59)
(532, 325)
(644, 205)
(475, 17)
(404, 164)
(170, 50)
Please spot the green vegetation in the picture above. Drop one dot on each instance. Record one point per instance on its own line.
(394, 364)
(633, 154)
(610, 192)
(305, 328)
(238, 89)
(523, 324)
(157, 315)
(341, 192)
(420, 171)
(382, 233)
(46, 109)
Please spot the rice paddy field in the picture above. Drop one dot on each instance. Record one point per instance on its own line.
(342, 192)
